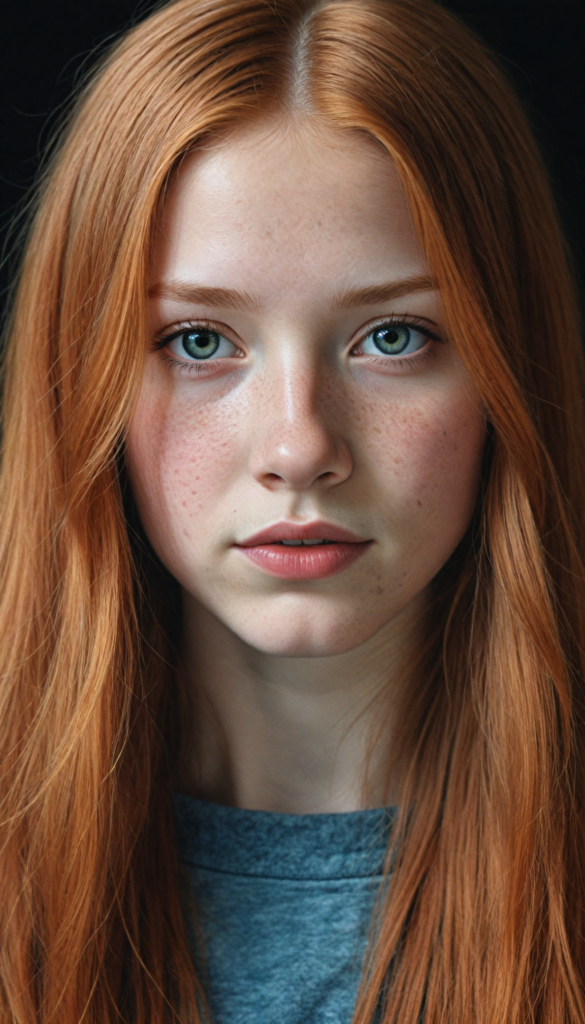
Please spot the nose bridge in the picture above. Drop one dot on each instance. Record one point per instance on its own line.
(299, 432)
(298, 387)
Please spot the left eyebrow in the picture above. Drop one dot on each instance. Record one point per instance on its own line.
(381, 292)
(201, 295)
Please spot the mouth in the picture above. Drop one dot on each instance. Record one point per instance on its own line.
(300, 543)
(303, 552)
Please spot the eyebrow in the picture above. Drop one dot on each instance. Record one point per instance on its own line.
(228, 298)
(200, 295)
(382, 292)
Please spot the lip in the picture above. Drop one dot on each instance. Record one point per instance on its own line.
(317, 530)
(303, 563)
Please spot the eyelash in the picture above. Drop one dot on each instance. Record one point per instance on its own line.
(183, 366)
(401, 362)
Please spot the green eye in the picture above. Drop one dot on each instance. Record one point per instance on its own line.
(195, 344)
(395, 339)
(200, 344)
(391, 339)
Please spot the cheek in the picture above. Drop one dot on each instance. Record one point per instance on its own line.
(428, 455)
(181, 458)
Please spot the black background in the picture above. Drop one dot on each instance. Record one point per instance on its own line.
(45, 45)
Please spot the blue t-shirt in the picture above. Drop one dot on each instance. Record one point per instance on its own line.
(284, 905)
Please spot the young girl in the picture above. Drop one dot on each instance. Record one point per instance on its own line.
(292, 542)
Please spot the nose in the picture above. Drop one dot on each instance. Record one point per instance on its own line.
(301, 439)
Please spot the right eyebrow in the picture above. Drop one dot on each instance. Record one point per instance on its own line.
(201, 295)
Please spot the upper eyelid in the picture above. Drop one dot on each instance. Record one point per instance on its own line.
(418, 323)
(167, 334)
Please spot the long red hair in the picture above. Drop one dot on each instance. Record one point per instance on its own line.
(484, 916)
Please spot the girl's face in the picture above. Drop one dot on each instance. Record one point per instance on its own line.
(298, 388)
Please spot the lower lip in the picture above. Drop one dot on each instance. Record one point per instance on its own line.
(306, 562)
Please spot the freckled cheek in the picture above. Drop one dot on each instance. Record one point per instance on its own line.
(429, 455)
(181, 459)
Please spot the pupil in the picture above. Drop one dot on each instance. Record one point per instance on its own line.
(201, 344)
(391, 339)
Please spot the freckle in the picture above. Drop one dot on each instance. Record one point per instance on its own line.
(444, 433)
(379, 591)
(419, 502)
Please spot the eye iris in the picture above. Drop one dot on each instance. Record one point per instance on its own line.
(391, 338)
(200, 344)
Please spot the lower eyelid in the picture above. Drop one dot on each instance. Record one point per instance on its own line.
(390, 363)
(202, 367)
(429, 343)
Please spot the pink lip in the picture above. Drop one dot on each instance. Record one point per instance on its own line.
(303, 563)
(317, 530)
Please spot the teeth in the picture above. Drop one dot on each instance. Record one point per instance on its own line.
(300, 543)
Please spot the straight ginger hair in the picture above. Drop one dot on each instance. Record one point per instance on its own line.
(483, 918)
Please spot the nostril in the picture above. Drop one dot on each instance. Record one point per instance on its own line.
(299, 461)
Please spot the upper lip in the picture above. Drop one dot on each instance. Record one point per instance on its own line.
(316, 530)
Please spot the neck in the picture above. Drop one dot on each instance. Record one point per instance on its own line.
(294, 735)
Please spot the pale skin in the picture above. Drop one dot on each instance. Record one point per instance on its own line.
(273, 242)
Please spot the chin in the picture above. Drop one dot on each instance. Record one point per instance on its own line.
(317, 638)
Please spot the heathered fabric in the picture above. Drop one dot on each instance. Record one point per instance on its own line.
(284, 903)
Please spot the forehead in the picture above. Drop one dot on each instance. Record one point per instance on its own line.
(285, 204)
